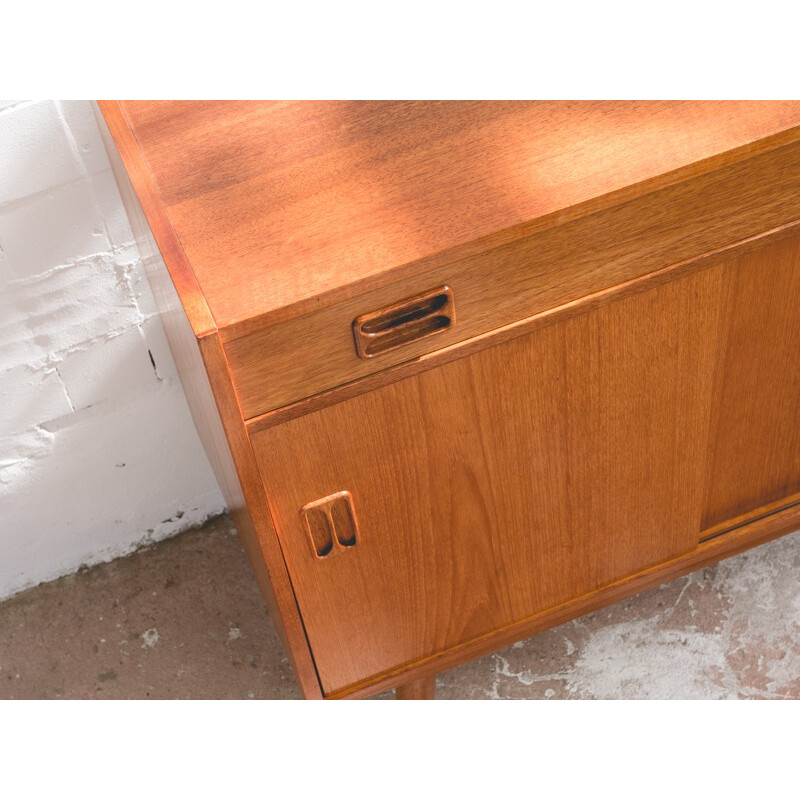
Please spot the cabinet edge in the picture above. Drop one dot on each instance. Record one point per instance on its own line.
(144, 206)
(203, 372)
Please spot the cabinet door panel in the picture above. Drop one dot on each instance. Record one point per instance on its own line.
(754, 453)
(496, 486)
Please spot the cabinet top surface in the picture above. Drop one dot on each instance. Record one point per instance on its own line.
(271, 209)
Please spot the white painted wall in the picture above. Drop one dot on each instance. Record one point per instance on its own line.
(98, 453)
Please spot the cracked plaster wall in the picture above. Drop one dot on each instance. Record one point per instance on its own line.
(98, 453)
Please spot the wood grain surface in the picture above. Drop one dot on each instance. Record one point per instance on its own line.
(501, 484)
(305, 355)
(754, 448)
(757, 532)
(496, 336)
(204, 375)
(147, 213)
(281, 208)
(618, 402)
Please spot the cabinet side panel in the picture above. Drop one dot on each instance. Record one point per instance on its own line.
(244, 494)
(754, 451)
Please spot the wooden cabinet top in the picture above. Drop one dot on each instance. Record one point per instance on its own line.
(267, 210)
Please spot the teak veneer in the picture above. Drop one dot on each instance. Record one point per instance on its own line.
(468, 370)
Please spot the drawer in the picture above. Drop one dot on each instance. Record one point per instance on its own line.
(440, 508)
(298, 357)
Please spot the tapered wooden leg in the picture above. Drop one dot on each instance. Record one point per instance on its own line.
(421, 689)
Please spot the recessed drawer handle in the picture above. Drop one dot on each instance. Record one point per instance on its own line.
(401, 323)
(330, 523)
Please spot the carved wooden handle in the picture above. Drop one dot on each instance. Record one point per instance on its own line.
(404, 322)
(330, 523)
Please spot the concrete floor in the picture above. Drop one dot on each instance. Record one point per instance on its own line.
(185, 619)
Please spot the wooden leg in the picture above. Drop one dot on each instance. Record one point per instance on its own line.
(421, 689)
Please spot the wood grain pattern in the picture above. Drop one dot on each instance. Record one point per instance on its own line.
(204, 376)
(535, 322)
(757, 532)
(618, 404)
(149, 215)
(306, 355)
(247, 503)
(306, 204)
(754, 449)
(501, 484)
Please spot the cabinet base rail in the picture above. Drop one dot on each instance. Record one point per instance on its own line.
(761, 530)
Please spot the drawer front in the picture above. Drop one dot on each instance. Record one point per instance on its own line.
(491, 287)
(445, 506)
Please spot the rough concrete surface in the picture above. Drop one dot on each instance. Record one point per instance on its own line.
(185, 619)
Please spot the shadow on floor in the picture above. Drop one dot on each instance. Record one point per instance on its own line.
(185, 619)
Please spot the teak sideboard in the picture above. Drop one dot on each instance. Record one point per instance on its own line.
(468, 370)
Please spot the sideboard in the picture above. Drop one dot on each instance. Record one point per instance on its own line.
(467, 370)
